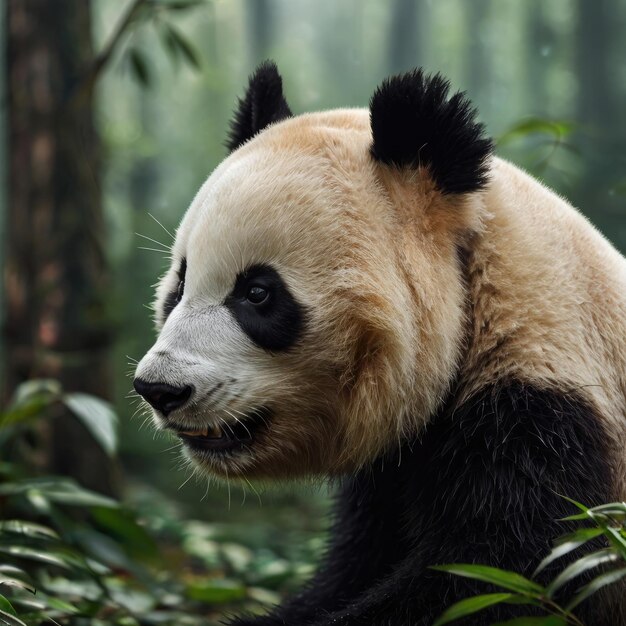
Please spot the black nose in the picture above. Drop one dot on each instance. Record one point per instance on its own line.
(163, 397)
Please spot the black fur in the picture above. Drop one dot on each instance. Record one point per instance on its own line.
(277, 323)
(262, 105)
(414, 123)
(482, 485)
(174, 296)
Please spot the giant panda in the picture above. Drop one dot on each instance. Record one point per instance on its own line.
(373, 297)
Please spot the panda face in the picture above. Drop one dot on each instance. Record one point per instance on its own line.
(312, 316)
(246, 317)
(262, 313)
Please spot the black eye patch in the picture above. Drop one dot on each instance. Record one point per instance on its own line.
(265, 309)
(174, 296)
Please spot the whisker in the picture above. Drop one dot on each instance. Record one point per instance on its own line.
(161, 225)
(167, 256)
(239, 422)
(186, 481)
(254, 491)
(158, 243)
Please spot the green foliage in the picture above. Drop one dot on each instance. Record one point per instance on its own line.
(36, 398)
(179, 49)
(72, 556)
(542, 145)
(609, 523)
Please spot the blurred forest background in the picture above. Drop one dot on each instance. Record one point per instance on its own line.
(114, 112)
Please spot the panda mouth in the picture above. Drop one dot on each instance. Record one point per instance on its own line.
(226, 437)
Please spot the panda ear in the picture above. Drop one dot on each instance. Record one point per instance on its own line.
(263, 104)
(415, 124)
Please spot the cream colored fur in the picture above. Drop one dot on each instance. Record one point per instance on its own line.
(392, 315)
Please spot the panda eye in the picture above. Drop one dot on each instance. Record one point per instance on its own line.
(265, 309)
(257, 295)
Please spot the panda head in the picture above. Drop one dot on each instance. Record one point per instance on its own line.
(313, 313)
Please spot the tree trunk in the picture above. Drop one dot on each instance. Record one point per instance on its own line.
(55, 270)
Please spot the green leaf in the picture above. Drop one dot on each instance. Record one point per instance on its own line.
(603, 580)
(29, 400)
(587, 562)
(139, 67)
(24, 552)
(557, 130)
(575, 518)
(29, 529)
(548, 620)
(178, 45)
(501, 578)
(37, 387)
(182, 5)
(577, 504)
(216, 591)
(10, 620)
(97, 416)
(122, 525)
(10, 581)
(614, 509)
(58, 490)
(618, 538)
(469, 606)
(6, 606)
(568, 543)
(61, 605)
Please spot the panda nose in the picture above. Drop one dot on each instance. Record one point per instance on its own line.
(163, 397)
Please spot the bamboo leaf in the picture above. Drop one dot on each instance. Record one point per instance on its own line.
(577, 504)
(58, 490)
(182, 5)
(62, 605)
(139, 67)
(556, 129)
(97, 416)
(501, 578)
(216, 591)
(567, 544)
(10, 620)
(30, 529)
(614, 509)
(9, 581)
(469, 606)
(580, 566)
(6, 606)
(178, 45)
(618, 539)
(603, 580)
(548, 620)
(29, 400)
(24, 552)
(575, 518)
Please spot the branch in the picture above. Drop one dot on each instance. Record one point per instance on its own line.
(102, 60)
(107, 52)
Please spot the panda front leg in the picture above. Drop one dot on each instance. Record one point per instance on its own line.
(482, 486)
(365, 545)
(415, 595)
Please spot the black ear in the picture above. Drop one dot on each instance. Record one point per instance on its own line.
(414, 124)
(263, 104)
